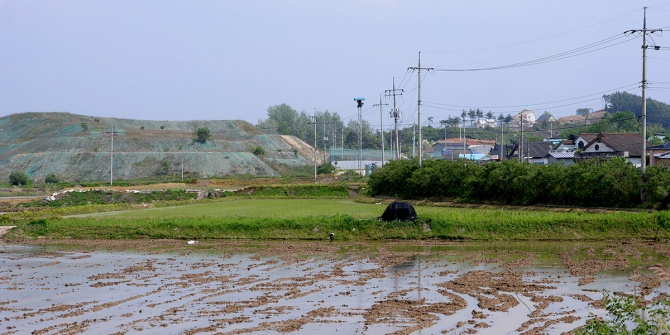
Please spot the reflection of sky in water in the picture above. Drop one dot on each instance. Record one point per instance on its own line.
(144, 292)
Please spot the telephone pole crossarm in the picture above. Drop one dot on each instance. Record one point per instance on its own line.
(395, 114)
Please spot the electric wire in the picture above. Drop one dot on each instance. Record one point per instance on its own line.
(596, 46)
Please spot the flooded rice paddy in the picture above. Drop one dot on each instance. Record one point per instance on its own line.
(321, 287)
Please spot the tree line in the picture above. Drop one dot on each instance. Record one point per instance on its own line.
(613, 183)
(623, 114)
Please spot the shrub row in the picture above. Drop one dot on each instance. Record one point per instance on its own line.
(611, 183)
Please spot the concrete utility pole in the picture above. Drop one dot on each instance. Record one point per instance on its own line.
(314, 121)
(520, 146)
(395, 114)
(644, 32)
(381, 120)
(325, 138)
(111, 157)
(502, 139)
(419, 68)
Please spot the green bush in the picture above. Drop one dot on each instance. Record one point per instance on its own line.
(203, 134)
(326, 168)
(51, 178)
(610, 183)
(630, 315)
(19, 178)
(259, 151)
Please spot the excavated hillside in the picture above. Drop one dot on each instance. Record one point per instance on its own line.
(82, 148)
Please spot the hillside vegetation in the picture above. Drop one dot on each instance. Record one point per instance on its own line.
(77, 148)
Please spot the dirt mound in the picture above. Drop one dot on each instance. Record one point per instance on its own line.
(83, 148)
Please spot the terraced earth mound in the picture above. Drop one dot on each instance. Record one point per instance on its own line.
(86, 148)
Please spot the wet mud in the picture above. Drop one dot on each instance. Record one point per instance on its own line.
(321, 287)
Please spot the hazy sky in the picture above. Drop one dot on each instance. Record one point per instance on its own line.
(232, 59)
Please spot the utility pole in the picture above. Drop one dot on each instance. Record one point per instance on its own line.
(325, 138)
(111, 157)
(644, 32)
(381, 120)
(520, 146)
(395, 114)
(502, 139)
(419, 68)
(181, 148)
(314, 121)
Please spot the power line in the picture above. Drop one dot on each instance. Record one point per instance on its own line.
(541, 38)
(599, 45)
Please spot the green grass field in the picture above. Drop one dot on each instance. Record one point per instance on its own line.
(257, 208)
(309, 219)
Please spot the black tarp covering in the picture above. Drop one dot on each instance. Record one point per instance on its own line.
(400, 211)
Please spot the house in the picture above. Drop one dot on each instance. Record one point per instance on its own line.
(453, 148)
(608, 145)
(545, 117)
(659, 155)
(534, 152)
(528, 117)
(563, 153)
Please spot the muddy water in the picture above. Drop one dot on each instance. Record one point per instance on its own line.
(213, 287)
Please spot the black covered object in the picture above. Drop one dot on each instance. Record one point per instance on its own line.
(399, 210)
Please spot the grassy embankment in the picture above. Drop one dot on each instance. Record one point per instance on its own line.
(276, 213)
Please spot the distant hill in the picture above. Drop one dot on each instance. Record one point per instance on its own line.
(77, 148)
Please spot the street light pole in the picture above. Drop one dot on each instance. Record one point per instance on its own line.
(359, 104)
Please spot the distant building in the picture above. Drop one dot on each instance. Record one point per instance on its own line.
(608, 145)
(659, 155)
(528, 117)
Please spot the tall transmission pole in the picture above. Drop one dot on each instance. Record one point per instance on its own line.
(644, 32)
(419, 68)
(381, 120)
(395, 114)
(111, 157)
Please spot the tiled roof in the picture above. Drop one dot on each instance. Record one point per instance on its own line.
(621, 142)
(536, 149)
(545, 117)
(664, 146)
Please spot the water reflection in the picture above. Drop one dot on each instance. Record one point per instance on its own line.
(309, 287)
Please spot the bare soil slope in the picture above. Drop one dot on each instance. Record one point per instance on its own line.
(81, 148)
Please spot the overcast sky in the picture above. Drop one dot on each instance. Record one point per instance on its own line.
(232, 59)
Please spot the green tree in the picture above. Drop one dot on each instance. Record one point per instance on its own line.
(284, 119)
(18, 178)
(583, 111)
(51, 178)
(84, 126)
(472, 114)
(203, 134)
(480, 114)
(617, 122)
